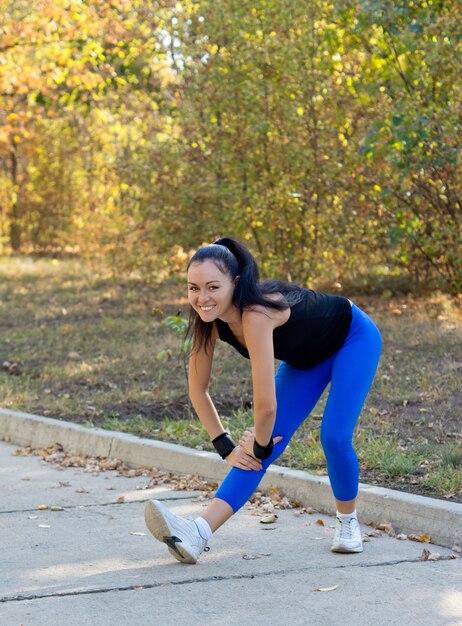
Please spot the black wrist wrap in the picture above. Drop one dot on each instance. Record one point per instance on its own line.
(263, 452)
(223, 444)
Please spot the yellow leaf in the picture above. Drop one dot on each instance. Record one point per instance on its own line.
(423, 538)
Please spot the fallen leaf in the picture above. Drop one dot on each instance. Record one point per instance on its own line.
(386, 527)
(401, 537)
(25, 478)
(269, 519)
(56, 507)
(42, 507)
(423, 538)
(12, 368)
(303, 510)
(320, 522)
(252, 557)
(429, 556)
(81, 490)
(326, 588)
(121, 499)
(425, 554)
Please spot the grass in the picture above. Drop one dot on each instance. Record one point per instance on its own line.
(99, 351)
(452, 456)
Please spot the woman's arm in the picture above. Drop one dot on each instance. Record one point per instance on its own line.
(200, 367)
(258, 326)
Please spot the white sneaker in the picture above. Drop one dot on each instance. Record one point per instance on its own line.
(347, 536)
(181, 535)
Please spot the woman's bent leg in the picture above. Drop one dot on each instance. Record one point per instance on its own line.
(352, 375)
(297, 392)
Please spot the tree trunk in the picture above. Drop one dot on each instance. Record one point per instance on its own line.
(15, 224)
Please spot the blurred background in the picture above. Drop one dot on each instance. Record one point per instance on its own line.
(326, 135)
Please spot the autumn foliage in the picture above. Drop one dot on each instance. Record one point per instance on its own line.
(325, 134)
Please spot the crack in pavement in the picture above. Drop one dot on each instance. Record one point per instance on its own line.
(189, 581)
(70, 507)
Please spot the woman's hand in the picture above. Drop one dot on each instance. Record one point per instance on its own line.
(247, 440)
(243, 460)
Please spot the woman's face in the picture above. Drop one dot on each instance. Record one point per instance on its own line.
(210, 292)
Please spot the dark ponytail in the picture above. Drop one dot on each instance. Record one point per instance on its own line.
(231, 257)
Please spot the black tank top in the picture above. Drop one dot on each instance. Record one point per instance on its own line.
(317, 327)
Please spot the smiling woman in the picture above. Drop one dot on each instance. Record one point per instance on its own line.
(319, 338)
(211, 291)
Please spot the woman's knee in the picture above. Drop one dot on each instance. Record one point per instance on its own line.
(334, 443)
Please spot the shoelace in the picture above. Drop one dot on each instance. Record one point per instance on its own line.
(346, 527)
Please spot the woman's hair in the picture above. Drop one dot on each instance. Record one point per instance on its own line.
(232, 258)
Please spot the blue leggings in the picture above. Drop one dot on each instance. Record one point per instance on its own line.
(350, 372)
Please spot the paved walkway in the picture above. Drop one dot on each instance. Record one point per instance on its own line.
(94, 562)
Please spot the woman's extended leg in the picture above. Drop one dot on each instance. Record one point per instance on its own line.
(297, 392)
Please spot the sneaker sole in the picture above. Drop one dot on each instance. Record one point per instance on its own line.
(345, 550)
(159, 527)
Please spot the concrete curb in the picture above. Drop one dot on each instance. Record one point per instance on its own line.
(407, 513)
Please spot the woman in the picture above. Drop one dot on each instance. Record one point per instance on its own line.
(319, 338)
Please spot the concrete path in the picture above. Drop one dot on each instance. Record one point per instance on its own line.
(95, 563)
